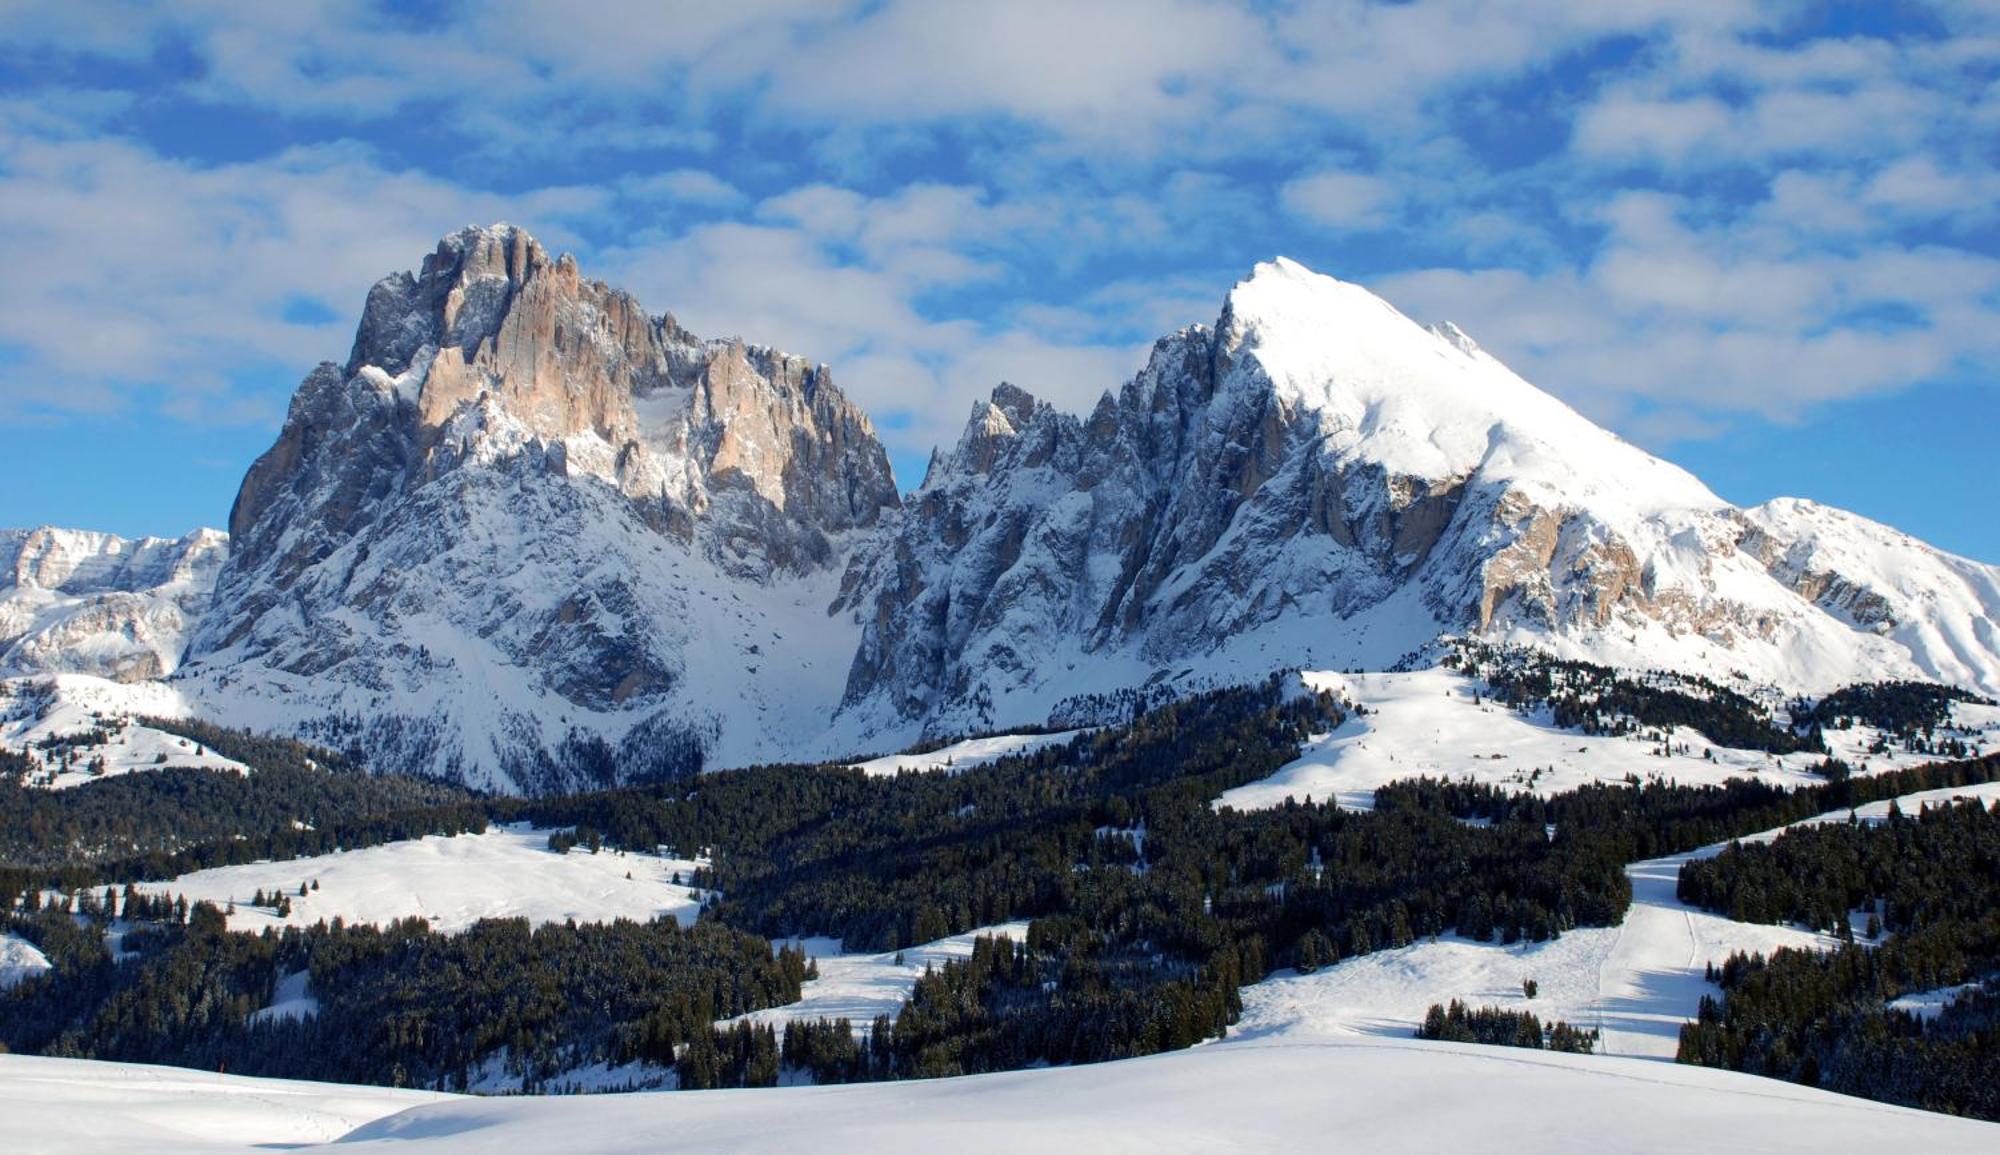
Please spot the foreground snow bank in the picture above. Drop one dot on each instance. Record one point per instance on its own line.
(1360, 1095)
(59, 1106)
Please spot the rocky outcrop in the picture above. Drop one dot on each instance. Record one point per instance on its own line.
(513, 536)
(73, 601)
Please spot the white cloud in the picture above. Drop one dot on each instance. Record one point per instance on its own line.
(1702, 321)
(1917, 186)
(1339, 200)
(130, 272)
(1074, 140)
(835, 276)
(682, 186)
(1626, 127)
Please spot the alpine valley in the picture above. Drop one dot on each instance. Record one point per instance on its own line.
(576, 704)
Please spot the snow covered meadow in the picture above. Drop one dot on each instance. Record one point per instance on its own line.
(1433, 722)
(506, 872)
(78, 728)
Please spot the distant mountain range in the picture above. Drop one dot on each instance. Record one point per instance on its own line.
(531, 536)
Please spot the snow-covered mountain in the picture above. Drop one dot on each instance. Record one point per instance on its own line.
(529, 533)
(72, 600)
(1318, 479)
(532, 536)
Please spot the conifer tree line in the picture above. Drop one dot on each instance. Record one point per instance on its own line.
(1928, 887)
(1496, 1026)
(1600, 700)
(397, 1006)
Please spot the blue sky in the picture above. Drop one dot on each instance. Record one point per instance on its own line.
(1762, 239)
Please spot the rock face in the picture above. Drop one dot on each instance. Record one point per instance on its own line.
(531, 536)
(92, 603)
(1318, 480)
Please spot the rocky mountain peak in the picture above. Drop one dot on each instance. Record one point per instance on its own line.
(535, 537)
(495, 352)
(1319, 479)
(522, 478)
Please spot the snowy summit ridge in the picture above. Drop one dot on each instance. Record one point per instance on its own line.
(1316, 479)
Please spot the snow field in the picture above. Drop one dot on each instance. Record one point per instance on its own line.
(962, 755)
(80, 703)
(506, 872)
(19, 959)
(64, 1106)
(858, 987)
(1373, 1095)
(1428, 722)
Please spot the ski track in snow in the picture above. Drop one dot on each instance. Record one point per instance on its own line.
(1636, 982)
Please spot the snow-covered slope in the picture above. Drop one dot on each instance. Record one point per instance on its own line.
(506, 872)
(859, 987)
(77, 728)
(1358, 1094)
(1941, 610)
(533, 537)
(92, 603)
(64, 1106)
(1434, 723)
(1317, 480)
(19, 959)
(964, 755)
(1636, 983)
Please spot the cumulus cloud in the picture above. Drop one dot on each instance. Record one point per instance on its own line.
(1339, 200)
(1721, 319)
(133, 274)
(1672, 212)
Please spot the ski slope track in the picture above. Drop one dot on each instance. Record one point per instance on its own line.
(1636, 983)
